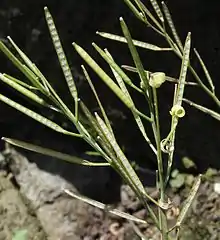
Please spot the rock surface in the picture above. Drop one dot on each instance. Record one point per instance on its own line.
(14, 214)
(60, 216)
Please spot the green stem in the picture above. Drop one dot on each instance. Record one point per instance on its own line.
(156, 125)
(158, 140)
(143, 115)
(163, 32)
(194, 73)
(204, 87)
(171, 150)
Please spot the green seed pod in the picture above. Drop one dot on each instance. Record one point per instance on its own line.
(156, 79)
(177, 111)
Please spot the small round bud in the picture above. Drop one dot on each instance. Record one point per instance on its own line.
(156, 79)
(177, 111)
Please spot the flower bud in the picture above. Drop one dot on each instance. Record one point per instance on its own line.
(156, 79)
(177, 111)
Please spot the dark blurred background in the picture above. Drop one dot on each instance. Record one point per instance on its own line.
(198, 135)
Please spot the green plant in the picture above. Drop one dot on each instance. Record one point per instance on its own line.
(100, 135)
(178, 179)
(20, 235)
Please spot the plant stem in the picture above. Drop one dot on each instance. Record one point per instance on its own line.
(203, 86)
(158, 140)
(156, 125)
(194, 73)
(163, 32)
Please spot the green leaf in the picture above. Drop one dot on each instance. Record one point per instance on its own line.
(52, 153)
(174, 173)
(211, 172)
(189, 180)
(178, 181)
(188, 163)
